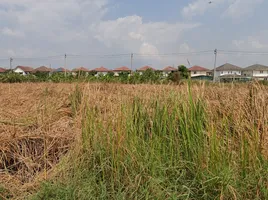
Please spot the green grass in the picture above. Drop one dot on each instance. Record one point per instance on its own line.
(157, 150)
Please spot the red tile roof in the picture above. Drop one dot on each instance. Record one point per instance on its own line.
(81, 69)
(101, 69)
(122, 69)
(198, 68)
(42, 69)
(169, 69)
(145, 68)
(25, 69)
(2, 70)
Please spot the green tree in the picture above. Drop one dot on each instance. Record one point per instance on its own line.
(184, 72)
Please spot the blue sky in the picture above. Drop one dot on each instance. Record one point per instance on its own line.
(33, 28)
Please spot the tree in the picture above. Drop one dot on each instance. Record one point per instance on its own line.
(184, 72)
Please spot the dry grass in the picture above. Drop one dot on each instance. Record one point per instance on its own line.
(38, 125)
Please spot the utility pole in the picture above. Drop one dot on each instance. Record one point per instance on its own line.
(215, 63)
(10, 63)
(131, 61)
(65, 57)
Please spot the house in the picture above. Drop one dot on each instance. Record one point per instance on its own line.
(228, 72)
(80, 70)
(167, 70)
(42, 69)
(2, 70)
(23, 70)
(123, 69)
(256, 72)
(143, 69)
(101, 71)
(61, 70)
(199, 71)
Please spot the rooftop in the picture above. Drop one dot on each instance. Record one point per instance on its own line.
(101, 69)
(25, 68)
(81, 69)
(120, 69)
(198, 68)
(42, 69)
(228, 67)
(169, 69)
(145, 68)
(256, 67)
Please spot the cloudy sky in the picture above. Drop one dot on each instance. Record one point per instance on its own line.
(31, 30)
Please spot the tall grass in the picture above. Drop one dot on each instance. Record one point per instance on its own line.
(163, 148)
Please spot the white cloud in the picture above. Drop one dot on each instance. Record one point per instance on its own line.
(148, 49)
(250, 43)
(240, 8)
(136, 36)
(113, 32)
(199, 7)
(12, 33)
(235, 9)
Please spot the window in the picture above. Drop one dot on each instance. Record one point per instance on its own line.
(261, 72)
(194, 72)
(221, 72)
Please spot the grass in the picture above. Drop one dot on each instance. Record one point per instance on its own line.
(162, 142)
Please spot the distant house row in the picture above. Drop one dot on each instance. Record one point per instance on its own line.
(226, 71)
(229, 71)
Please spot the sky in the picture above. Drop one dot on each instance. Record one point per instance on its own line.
(94, 33)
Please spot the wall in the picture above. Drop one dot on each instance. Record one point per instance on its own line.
(222, 73)
(198, 73)
(19, 71)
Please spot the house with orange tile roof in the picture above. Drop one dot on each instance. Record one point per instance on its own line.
(23, 70)
(2, 70)
(198, 71)
(101, 71)
(144, 68)
(119, 70)
(167, 70)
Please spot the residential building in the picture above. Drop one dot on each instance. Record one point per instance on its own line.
(61, 70)
(42, 69)
(198, 71)
(256, 72)
(2, 70)
(119, 70)
(80, 70)
(143, 69)
(101, 71)
(23, 70)
(167, 70)
(228, 72)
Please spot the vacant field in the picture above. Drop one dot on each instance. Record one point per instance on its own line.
(113, 141)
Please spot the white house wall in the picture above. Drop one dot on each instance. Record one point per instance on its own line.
(198, 73)
(259, 74)
(222, 73)
(19, 71)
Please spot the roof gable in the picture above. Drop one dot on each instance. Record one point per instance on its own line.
(169, 69)
(145, 68)
(25, 68)
(42, 69)
(198, 68)
(122, 69)
(80, 69)
(228, 67)
(2, 70)
(256, 67)
(101, 69)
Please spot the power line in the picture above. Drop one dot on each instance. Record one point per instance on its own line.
(241, 52)
(176, 54)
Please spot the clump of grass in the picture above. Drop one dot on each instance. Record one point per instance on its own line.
(172, 147)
